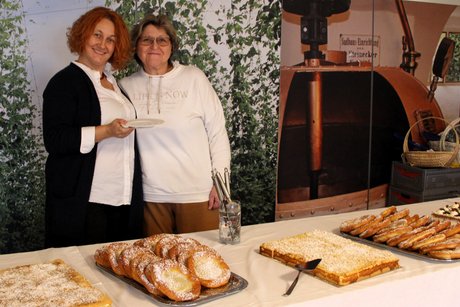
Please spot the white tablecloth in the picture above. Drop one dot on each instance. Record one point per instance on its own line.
(417, 283)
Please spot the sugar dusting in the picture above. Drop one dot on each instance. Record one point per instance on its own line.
(167, 273)
(48, 284)
(339, 255)
(209, 266)
(170, 274)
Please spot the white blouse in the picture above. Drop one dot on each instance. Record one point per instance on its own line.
(114, 170)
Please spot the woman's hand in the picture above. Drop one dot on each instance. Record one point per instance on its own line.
(114, 129)
(214, 202)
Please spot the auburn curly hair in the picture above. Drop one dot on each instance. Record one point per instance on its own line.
(83, 28)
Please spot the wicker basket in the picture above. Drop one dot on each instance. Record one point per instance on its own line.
(445, 145)
(440, 158)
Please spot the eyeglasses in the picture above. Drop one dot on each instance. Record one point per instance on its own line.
(162, 41)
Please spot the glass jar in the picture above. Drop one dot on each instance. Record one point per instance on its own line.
(229, 222)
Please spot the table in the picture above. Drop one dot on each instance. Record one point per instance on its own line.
(417, 283)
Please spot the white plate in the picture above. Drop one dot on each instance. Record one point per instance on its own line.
(143, 123)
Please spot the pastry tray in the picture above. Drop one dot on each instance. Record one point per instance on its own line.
(443, 216)
(397, 250)
(235, 285)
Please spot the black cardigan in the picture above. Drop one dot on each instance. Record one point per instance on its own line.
(69, 103)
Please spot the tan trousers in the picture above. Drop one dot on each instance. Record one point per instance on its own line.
(179, 218)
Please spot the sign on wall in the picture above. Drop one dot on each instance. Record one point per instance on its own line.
(361, 48)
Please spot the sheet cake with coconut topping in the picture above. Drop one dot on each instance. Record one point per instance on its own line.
(343, 261)
(48, 284)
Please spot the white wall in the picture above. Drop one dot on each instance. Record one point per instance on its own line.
(448, 95)
(46, 23)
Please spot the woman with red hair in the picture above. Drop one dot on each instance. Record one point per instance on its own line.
(93, 183)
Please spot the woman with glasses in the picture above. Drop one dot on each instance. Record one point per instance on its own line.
(93, 185)
(177, 156)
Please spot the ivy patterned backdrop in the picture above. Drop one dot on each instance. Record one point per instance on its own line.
(21, 154)
(453, 74)
(236, 43)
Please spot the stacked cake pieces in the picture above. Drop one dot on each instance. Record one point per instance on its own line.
(343, 261)
(48, 284)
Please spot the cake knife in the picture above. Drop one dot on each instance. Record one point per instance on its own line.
(308, 266)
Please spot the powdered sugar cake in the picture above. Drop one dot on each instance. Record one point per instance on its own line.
(343, 261)
(48, 284)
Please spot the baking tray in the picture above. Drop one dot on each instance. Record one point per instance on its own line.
(235, 285)
(455, 218)
(397, 249)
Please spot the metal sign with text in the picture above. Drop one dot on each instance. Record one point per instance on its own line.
(361, 48)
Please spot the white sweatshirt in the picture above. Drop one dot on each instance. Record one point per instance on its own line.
(178, 155)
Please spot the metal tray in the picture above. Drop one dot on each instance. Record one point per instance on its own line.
(443, 216)
(235, 285)
(397, 250)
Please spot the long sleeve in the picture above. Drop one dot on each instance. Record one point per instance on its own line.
(67, 107)
(214, 121)
(178, 155)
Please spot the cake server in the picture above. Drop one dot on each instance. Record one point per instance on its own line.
(307, 266)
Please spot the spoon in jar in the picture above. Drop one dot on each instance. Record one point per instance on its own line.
(307, 266)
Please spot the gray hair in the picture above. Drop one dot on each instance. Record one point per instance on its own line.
(160, 21)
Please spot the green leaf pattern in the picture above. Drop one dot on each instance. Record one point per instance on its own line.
(21, 153)
(246, 80)
(245, 76)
